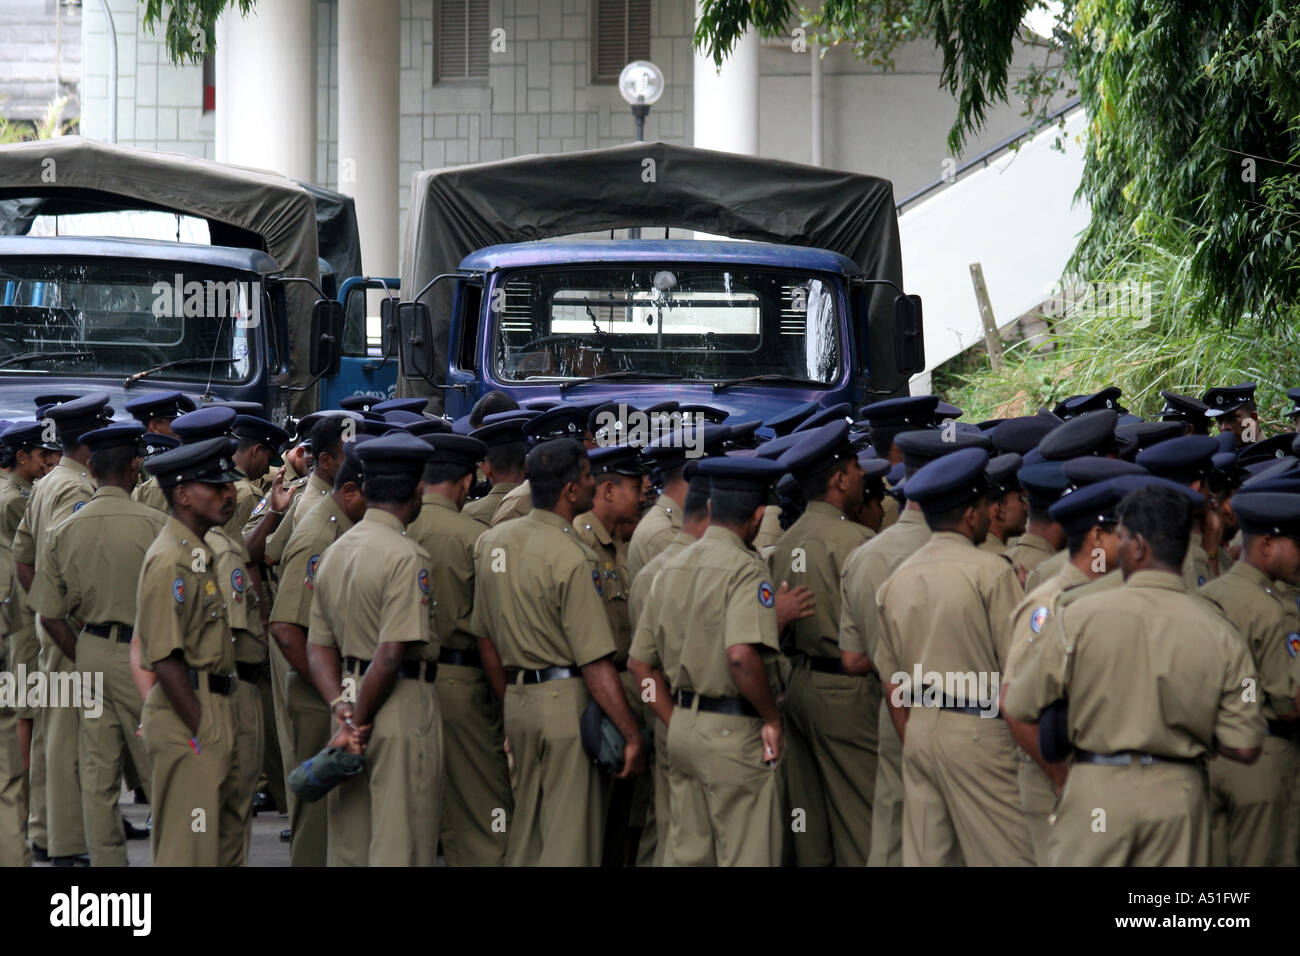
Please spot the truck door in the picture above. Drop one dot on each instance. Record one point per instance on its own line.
(363, 369)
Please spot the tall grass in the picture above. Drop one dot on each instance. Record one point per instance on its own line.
(1142, 345)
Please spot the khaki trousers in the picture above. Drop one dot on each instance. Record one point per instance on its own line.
(559, 796)
(805, 799)
(280, 705)
(67, 832)
(310, 730)
(961, 798)
(195, 809)
(392, 807)
(249, 742)
(656, 831)
(887, 808)
(838, 716)
(726, 801)
(105, 742)
(1140, 815)
(13, 795)
(1038, 801)
(1249, 806)
(476, 799)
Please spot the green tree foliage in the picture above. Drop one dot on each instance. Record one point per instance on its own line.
(189, 26)
(1194, 109)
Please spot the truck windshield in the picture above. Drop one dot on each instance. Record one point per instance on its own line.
(691, 322)
(114, 318)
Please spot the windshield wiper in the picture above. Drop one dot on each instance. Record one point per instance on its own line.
(30, 356)
(185, 361)
(788, 379)
(613, 376)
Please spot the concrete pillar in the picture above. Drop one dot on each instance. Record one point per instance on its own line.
(368, 127)
(726, 102)
(266, 88)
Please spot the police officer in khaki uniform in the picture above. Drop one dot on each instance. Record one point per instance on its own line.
(562, 421)
(1007, 509)
(156, 411)
(503, 433)
(1088, 517)
(256, 454)
(1136, 793)
(310, 725)
(1043, 539)
(867, 568)
(1233, 409)
(646, 665)
(660, 524)
(476, 779)
(88, 573)
(24, 792)
(1250, 802)
(183, 630)
(66, 487)
(944, 618)
(1188, 461)
(616, 503)
(538, 604)
(829, 712)
(712, 625)
(374, 658)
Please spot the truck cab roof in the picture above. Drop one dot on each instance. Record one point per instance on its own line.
(518, 255)
(99, 247)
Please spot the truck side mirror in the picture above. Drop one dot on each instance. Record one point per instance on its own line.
(326, 343)
(387, 324)
(909, 339)
(415, 339)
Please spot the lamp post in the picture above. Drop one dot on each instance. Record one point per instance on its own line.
(641, 83)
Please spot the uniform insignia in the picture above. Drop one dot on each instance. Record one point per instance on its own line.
(1200, 580)
(78, 506)
(766, 596)
(595, 579)
(1038, 619)
(261, 506)
(209, 588)
(423, 579)
(178, 590)
(308, 583)
(1293, 644)
(237, 580)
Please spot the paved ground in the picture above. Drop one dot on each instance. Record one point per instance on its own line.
(267, 850)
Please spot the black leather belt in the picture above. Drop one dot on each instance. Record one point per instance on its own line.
(223, 684)
(415, 670)
(465, 658)
(542, 676)
(736, 706)
(1283, 728)
(963, 709)
(248, 672)
(1126, 758)
(828, 665)
(124, 631)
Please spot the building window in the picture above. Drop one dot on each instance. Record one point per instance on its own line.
(463, 39)
(621, 35)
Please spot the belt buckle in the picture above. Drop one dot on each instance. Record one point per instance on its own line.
(1146, 760)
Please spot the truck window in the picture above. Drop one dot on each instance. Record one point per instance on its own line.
(470, 298)
(691, 321)
(115, 318)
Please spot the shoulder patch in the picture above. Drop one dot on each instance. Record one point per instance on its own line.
(237, 580)
(1038, 619)
(1200, 580)
(423, 580)
(178, 590)
(1293, 644)
(261, 506)
(595, 579)
(766, 596)
(309, 581)
(77, 507)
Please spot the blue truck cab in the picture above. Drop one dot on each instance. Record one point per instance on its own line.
(748, 327)
(126, 316)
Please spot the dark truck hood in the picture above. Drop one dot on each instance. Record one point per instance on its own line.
(18, 400)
